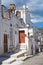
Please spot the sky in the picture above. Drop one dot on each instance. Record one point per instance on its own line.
(35, 8)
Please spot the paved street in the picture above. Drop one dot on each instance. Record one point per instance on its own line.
(36, 60)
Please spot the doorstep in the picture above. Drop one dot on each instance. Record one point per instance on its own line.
(9, 61)
(24, 58)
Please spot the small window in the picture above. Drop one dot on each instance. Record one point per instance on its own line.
(11, 25)
(18, 13)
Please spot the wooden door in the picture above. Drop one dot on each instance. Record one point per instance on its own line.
(5, 43)
(21, 36)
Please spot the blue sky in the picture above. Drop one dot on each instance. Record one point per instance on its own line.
(35, 6)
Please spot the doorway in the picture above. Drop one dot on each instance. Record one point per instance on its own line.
(5, 43)
(32, 49)
(21, 36)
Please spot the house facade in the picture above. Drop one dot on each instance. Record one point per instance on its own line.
(17, 31)
(32, 32)
(9, 31)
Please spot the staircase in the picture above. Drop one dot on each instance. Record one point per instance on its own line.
(22, 46)
(9, 61)
(12, 58)
(19, 54)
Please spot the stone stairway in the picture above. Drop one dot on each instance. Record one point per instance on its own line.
(19, 54)
(13, 57)
(22, 46)
(9, 61)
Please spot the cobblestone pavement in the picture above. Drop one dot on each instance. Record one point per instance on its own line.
(36, 60)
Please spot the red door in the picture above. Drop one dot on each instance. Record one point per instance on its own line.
(21, 36)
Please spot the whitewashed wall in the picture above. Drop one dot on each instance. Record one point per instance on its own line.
(1, 45)
(5, 29)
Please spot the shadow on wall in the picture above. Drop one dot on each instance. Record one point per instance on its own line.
(32, 49)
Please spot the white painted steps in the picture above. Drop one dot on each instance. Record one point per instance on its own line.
(9, 61)
(22, 46)
(15, 63)
(24, 58)
(14, 57)
(19, 60)
(19, 54)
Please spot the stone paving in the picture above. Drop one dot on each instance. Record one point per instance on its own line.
(35, 60)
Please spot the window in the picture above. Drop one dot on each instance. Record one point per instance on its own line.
(18, 13)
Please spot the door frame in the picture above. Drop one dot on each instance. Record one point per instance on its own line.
(5, 42)
(19, 36)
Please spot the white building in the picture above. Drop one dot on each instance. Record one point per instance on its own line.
(9, 31)
(17, 31)
(31, 35)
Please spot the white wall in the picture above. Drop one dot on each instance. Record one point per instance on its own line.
(16, 24)
(7, 27)
(1, 45)
(1, 37)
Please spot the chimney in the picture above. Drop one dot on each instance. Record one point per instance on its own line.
(12, 8)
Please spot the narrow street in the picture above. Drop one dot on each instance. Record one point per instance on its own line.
(36, 60)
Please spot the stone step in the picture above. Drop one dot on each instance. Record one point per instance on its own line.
(21, 58)
(24, 58)
(19, 54)
(15, 63)
(5, 64)
(23, 47)
(7, 54)
(9, 61)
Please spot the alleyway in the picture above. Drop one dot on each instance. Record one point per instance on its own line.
(36, 60)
